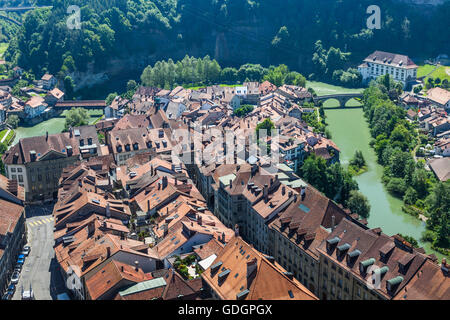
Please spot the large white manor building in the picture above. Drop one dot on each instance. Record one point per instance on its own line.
(379, 63)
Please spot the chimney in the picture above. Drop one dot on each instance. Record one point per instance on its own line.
(223, 237)
(251, 267)
(121, 268)
(303, 193)
(79, 183)
(136, 265)
(199, 219)
(333, 218)
(164, 182)
(91, 227)
(231, 183)
(70, 132)
(236, 230)
(283, 190)
(148, 205)
(165, 229)
(108, 252)
(176, 181)
(108, 211)
(266, 193)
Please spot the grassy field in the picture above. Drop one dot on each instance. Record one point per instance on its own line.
(8, 138)
(424, 70)
(441, 73)
(3, 47)
(322, 88)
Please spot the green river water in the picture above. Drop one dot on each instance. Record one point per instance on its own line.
(350, 132)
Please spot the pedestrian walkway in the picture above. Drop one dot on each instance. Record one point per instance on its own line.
(39, 222)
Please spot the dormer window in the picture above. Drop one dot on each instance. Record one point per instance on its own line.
(136, 146)
(89, 141)
(149, 144)
(343, 248)
(215, 267)
(393, 283)
(223, 275)
(127, 147)
(331, 243)
(363, 265)
(119, 148)
(381, 271)
(352, 255)
(81, 142)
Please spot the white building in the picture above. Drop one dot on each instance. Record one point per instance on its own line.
(379, 63)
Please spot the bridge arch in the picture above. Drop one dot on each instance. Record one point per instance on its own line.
(341, 98)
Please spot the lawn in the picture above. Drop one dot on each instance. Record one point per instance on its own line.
(439, 73)
(8, 138)
(424, 70)
(322, 88)
(3, 47)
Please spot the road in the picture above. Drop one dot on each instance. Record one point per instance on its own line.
(40, 268)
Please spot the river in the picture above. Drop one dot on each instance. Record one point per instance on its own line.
(350, 132)
(52, 126)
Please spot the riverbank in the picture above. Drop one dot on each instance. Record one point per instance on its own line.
(350, 132)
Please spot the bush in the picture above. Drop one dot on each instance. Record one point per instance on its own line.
(428, 236)
(13, 121)
(396, 186)
(410, 196)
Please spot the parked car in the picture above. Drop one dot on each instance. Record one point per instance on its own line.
(11, 288)
(20, 261)
(15, 277)
(18, 267)
(21, 256)
(26, 251)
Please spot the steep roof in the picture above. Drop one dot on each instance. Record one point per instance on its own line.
(113, 276)
(391, 59)
(241, 272)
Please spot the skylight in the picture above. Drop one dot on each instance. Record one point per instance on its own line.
(304, 208)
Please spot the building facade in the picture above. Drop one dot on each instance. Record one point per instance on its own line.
(379, 63)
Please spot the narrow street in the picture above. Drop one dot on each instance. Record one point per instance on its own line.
(40, 268)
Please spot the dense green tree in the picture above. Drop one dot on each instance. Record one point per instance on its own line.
(13, 120)
(410, 196)
(243, 110)
(76, 117)
(131, 85)
(358, 160)
(109, 99)
(396, 186)
(69, 87)
(359, 204)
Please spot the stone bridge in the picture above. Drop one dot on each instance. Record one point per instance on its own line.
(343, 98)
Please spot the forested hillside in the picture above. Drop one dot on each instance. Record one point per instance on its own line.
(234, 32)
